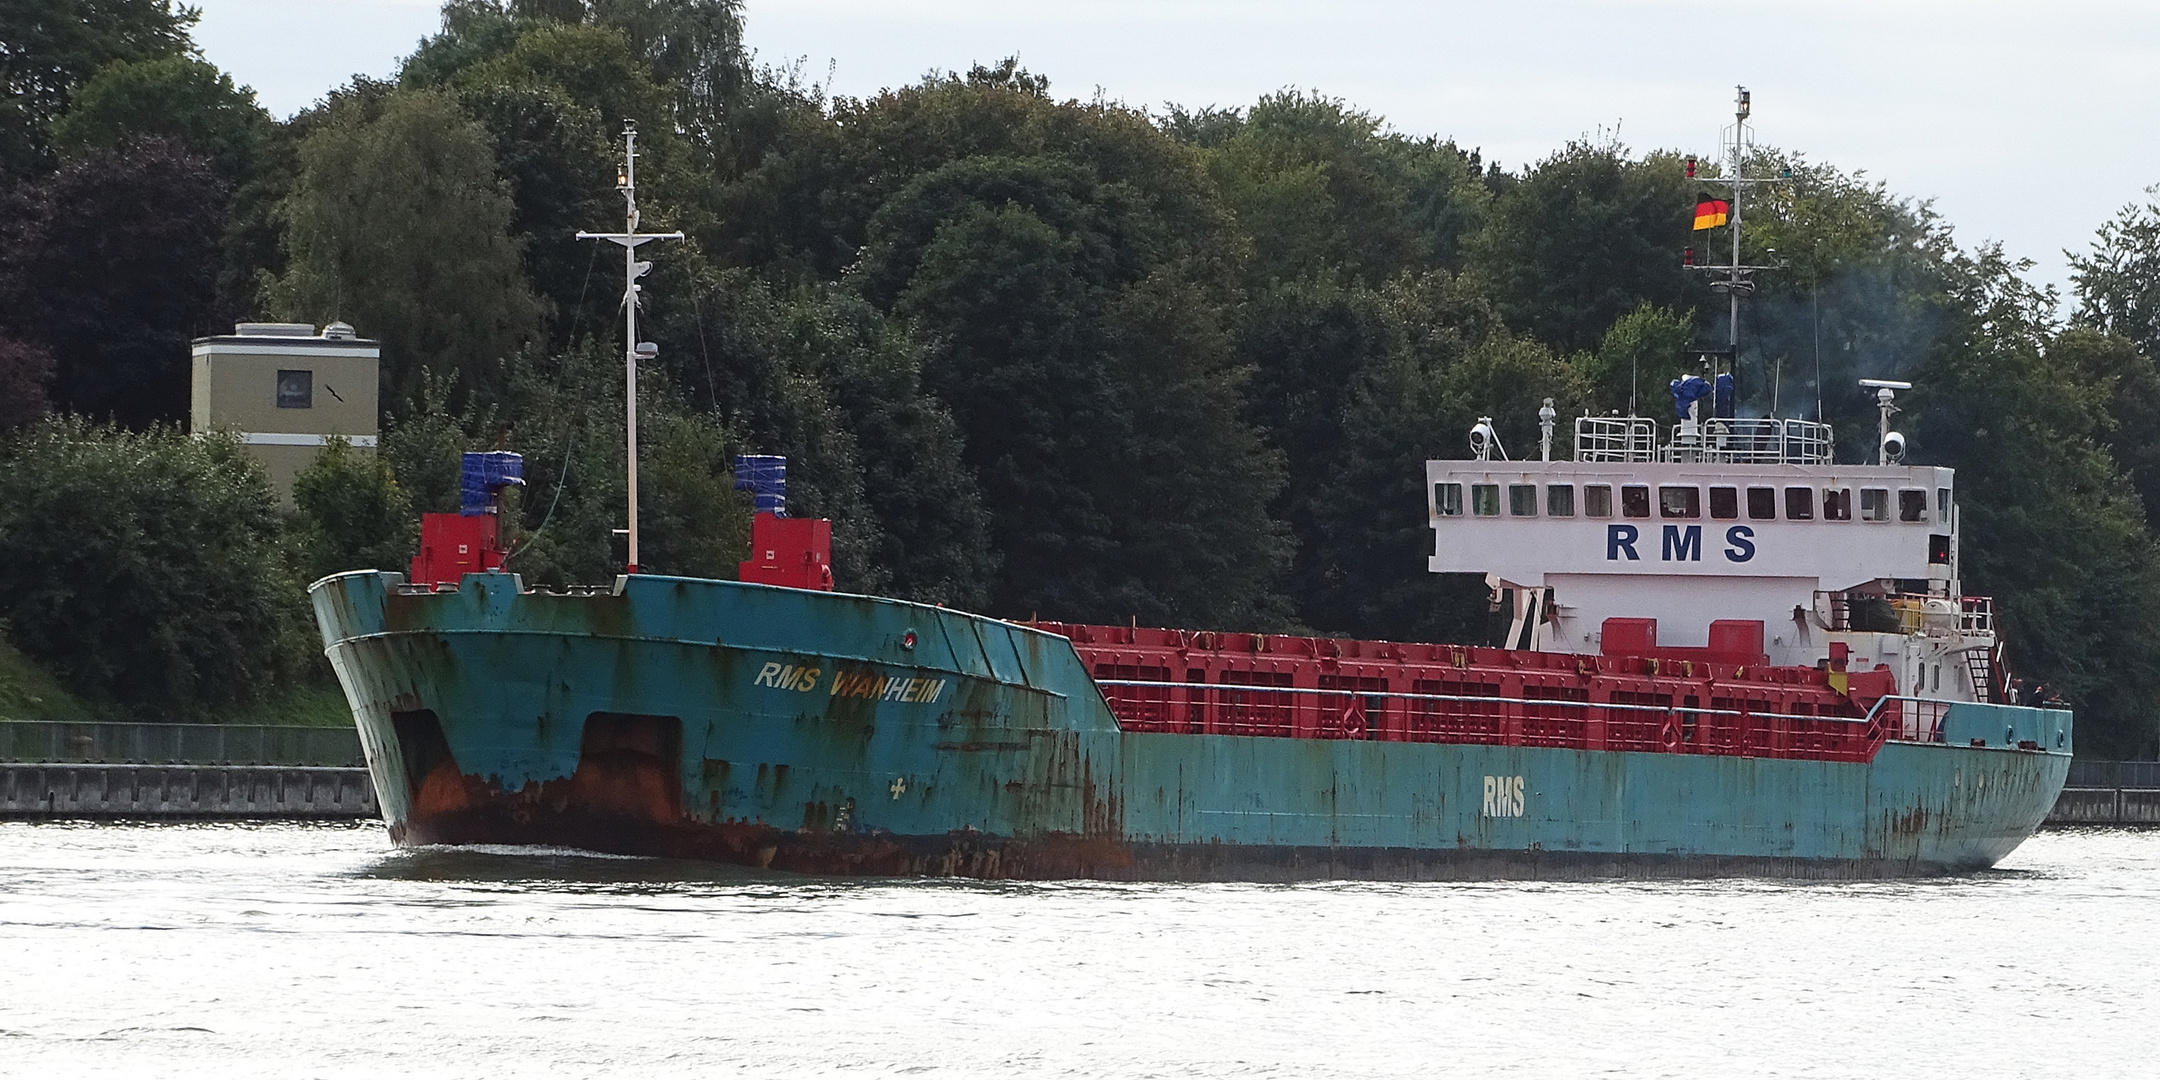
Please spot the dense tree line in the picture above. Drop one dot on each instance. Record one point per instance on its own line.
(1034, 355)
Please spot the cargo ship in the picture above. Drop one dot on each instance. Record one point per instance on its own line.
(1720, 652)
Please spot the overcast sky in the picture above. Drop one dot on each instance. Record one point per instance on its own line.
(2026, 123)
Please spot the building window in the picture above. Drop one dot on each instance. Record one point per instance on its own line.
(295, 389)
(1447, 499)
(1679, 502)
(1485, 500)
(1762, 504)
(1522, 500)
(1560, 500)
(1837, 504)
(1597, 500)
(1634, 500)
(1799, 504)
(1911, 505)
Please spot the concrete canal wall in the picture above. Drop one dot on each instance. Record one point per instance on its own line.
(2109, 793)
(181, 771)
(2106, 806)
(78, 790)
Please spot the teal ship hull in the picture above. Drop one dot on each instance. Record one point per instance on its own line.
(836, 734)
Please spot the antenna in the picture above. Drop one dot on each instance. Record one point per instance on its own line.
(1734, 279)
(1889, 446)
(633, 349)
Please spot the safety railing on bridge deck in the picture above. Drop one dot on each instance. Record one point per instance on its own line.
(1751, 441)
(1615, 438)
(1656, 723)
(122, 743)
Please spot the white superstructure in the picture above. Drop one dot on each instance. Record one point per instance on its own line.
(1729, 521)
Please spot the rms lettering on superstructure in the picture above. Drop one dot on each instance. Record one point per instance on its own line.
(869, 684)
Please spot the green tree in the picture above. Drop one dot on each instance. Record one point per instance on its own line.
(565, 416)
(352, 514)
(147, 568)
(399, 225)
(1030, 273)
(178, 97)
(49, 48)
(109, 265)
(844, 382)
(1324, 188)
(25, 372)
(1639, 355)
(2117, 284)
(691, 46)
(2050, 527)
(1862, 292)
(1584, 238)
(2128, 383)
(1439, 358)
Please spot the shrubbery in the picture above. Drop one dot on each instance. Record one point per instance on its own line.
(148, 567)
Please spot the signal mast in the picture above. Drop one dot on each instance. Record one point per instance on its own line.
(633, 269)
(1734, 278)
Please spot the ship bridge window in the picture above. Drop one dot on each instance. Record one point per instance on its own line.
(1447, 499)
(1911, 504)
(1942, 505)
(1634, 500)
(1522, 500)
(1560, 500)
(1724, 502)
(1799, 504)
(1837, 504)
(1762, 504)
(1874, 504)
(1679, 502)
(1597, 500)
(1485, 500)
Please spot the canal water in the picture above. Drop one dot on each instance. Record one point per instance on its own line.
(318, 951)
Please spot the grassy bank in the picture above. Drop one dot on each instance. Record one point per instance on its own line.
(29, 692)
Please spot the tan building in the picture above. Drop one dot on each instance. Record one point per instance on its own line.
(285, 389)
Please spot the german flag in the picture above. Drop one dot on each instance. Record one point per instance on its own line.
(1710, 213)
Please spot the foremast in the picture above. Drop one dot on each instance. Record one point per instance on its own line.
(633, 269)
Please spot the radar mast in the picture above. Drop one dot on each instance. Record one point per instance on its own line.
(633, 269)
(1735, 279)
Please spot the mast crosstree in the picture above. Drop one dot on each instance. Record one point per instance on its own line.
(633, 269)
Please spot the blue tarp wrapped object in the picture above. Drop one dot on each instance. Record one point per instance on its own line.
(764, 476)
(483, 475)
(1686, 391)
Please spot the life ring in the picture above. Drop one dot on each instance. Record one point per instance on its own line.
(1669, 734)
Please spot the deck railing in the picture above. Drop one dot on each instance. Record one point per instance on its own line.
(1307, 713)
(1728, 441)
(1907, 613)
